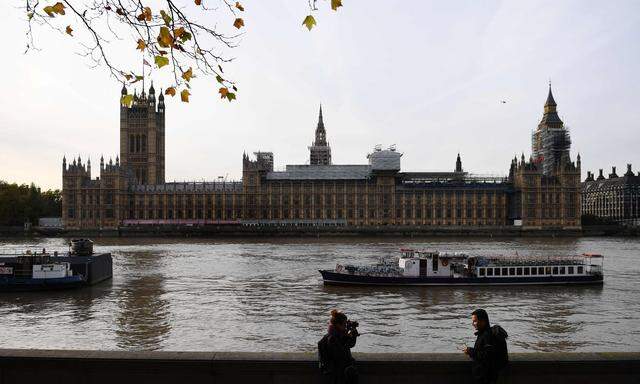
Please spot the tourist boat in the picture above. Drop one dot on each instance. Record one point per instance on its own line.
(40, 271)
(433, 268)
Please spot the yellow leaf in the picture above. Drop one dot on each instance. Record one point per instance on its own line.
(198, 2)
(161, 61)
(188, 74)
(239, 23)
(69, 30)
(127, 76)
(170, 91)
(309, 22)
(335, 4)
(58, 8)
(30, 15)
(184, 95)
(239, 6)
(141, 45)
(126, 100)
(223, 92)
(165, 39)
(48, 10)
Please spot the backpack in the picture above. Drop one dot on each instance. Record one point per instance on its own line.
(501, 354)
(323, 355)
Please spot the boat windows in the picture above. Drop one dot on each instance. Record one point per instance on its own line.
(580, 270)
(497, 271)
(534, 270)
(547, 270)
(519, 271)
(505, 271)
(570, 270)
(512, 271)
(526, 271)
(481, 271)
(562, 270)
(489, 271)
(555, 270)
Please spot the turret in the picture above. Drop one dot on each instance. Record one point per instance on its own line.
(629, 171)
(89, 166)
(152, 95)
(458, 164)
(161, 102)
(64, 163)
(101, 162)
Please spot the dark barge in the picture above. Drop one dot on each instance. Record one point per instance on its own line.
(38, 271)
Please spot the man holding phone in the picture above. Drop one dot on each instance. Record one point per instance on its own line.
(489, 354)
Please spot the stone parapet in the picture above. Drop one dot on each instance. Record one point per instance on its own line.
(70, 367)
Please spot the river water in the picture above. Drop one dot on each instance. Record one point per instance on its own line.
(267, 295)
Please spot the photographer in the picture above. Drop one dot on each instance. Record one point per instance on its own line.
(337, 366)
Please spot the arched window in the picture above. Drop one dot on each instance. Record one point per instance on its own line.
(137, 143)
(144, 143)
(132, 143)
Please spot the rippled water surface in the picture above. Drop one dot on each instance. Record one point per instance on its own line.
(267, 295)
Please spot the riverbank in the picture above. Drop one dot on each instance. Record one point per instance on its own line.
(294, 231)
(70, 367)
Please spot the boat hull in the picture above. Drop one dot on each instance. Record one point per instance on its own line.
(14, 284)
(334, 278)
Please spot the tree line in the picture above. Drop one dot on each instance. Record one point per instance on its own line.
(21, 203)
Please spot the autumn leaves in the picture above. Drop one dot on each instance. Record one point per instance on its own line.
(172, 36)
(310, 21)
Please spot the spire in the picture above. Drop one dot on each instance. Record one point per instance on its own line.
(550, 100)
(321, 135)
(152, 90)
(124, 89)
(458, 164)
(550, 119)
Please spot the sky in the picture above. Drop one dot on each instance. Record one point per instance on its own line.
(427, 76)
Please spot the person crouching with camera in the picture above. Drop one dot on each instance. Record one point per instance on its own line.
(337, 366)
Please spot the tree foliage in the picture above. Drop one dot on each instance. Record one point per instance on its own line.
(181, 36)
(26, 203)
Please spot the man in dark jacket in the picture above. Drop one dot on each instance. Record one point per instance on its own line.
(334, 349)
(489, 353)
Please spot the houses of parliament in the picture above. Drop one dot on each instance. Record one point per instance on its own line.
(540, 192)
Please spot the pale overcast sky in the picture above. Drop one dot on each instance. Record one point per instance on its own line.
(426, 76)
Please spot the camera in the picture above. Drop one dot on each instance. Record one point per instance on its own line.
(352, 325)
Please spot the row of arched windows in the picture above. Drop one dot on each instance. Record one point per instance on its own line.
(137, 143)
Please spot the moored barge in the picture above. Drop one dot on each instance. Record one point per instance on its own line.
(434, 268)
(42, 271)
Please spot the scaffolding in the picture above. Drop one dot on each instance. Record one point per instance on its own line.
(551, 147)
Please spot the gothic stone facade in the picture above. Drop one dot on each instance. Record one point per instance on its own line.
(132, 191)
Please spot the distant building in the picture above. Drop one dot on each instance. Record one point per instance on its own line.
(132, 190)
(616, 198)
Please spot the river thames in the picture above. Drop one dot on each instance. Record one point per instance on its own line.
(267, 295)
